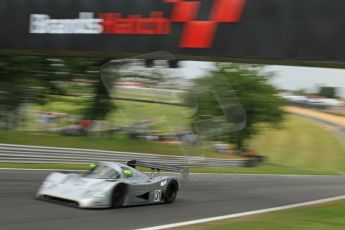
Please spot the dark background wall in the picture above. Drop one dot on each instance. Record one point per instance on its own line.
(310, 31)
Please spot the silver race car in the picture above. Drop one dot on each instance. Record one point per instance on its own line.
(113, 185)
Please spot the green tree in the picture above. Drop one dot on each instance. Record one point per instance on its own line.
(329, 92)
(257, 96)
(20, 82)
(33, 78)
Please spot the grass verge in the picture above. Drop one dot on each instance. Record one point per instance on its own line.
(261, 169)
(299, 147)
(119, 143)
(324, 216)
(301, 144)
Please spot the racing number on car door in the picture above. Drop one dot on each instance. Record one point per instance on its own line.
(157, 196)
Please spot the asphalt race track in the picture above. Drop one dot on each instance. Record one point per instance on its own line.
(203, 196)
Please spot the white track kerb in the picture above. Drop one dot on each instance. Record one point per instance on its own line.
(242, 214)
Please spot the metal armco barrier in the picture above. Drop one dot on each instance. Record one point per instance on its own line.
(37, 154)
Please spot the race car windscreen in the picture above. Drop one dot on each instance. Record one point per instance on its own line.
(103, 172)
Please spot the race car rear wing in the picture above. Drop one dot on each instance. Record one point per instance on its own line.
(154, 166)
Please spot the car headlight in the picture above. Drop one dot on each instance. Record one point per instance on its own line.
(96, 194)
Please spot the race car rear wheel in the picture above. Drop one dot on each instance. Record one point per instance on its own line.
(171, 192)
(118, 196)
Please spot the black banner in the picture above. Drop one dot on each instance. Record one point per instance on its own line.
(247, 29)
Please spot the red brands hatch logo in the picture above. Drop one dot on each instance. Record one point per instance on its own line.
(200, 34)
(195, 33)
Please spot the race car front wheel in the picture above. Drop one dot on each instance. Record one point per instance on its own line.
(118, 196)
(171, 192)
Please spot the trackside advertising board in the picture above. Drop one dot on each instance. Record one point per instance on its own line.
(249, 29)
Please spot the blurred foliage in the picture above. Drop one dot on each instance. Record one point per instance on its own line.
(329, 92)
(31, 79)
(257, 96)
(102, 103)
